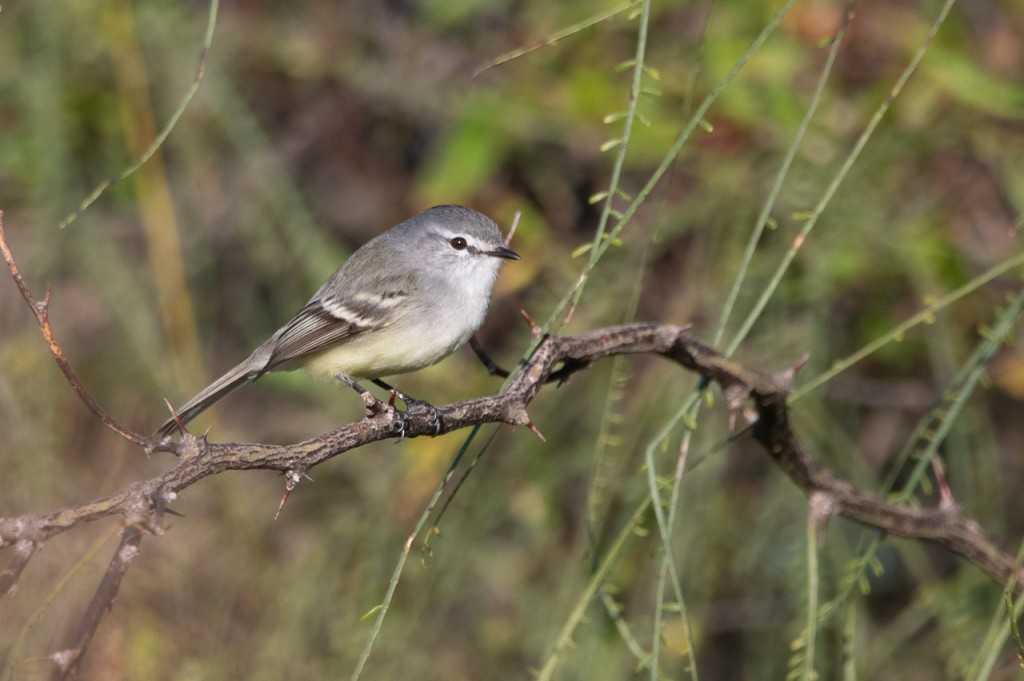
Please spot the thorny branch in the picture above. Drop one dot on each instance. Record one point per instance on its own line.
(141, 505)
(41, 310)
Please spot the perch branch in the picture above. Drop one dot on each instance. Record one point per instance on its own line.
(199, 458)
(142, 504)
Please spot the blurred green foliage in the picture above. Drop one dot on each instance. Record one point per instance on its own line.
(319, 124)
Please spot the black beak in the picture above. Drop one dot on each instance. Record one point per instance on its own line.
(502, 252)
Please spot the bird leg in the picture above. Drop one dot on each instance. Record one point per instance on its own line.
(373, 405)
(561, 375)
(492, 368)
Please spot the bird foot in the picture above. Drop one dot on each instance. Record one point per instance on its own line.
(412, 405)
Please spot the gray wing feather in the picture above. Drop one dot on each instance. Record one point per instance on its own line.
(227, 383)
(340, 310)
(313, 329)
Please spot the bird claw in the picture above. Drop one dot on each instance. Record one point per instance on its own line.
(412, 404)
(375, 407)
(401, 425)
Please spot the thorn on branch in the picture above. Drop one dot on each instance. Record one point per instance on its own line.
(535, 330)
(784, 379)
(174, 416)
(533, 429)
(292, 478)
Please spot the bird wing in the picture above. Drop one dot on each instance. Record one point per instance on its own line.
(330, 319)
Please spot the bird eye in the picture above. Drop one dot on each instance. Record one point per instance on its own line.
(458, 243)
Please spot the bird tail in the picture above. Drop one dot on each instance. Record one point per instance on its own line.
(237, 377)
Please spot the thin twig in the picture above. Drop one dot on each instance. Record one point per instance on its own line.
(69, 660)
(41, 310)
(186, 99)
(554, 38)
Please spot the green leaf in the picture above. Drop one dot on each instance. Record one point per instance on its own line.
(580, 250)
(371, 612)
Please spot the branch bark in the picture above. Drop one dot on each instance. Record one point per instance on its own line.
(199, 458)
(141, 505)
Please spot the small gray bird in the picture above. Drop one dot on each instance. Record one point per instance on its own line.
(405, 300)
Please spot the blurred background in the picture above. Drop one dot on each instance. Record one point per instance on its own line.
(318, 125)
